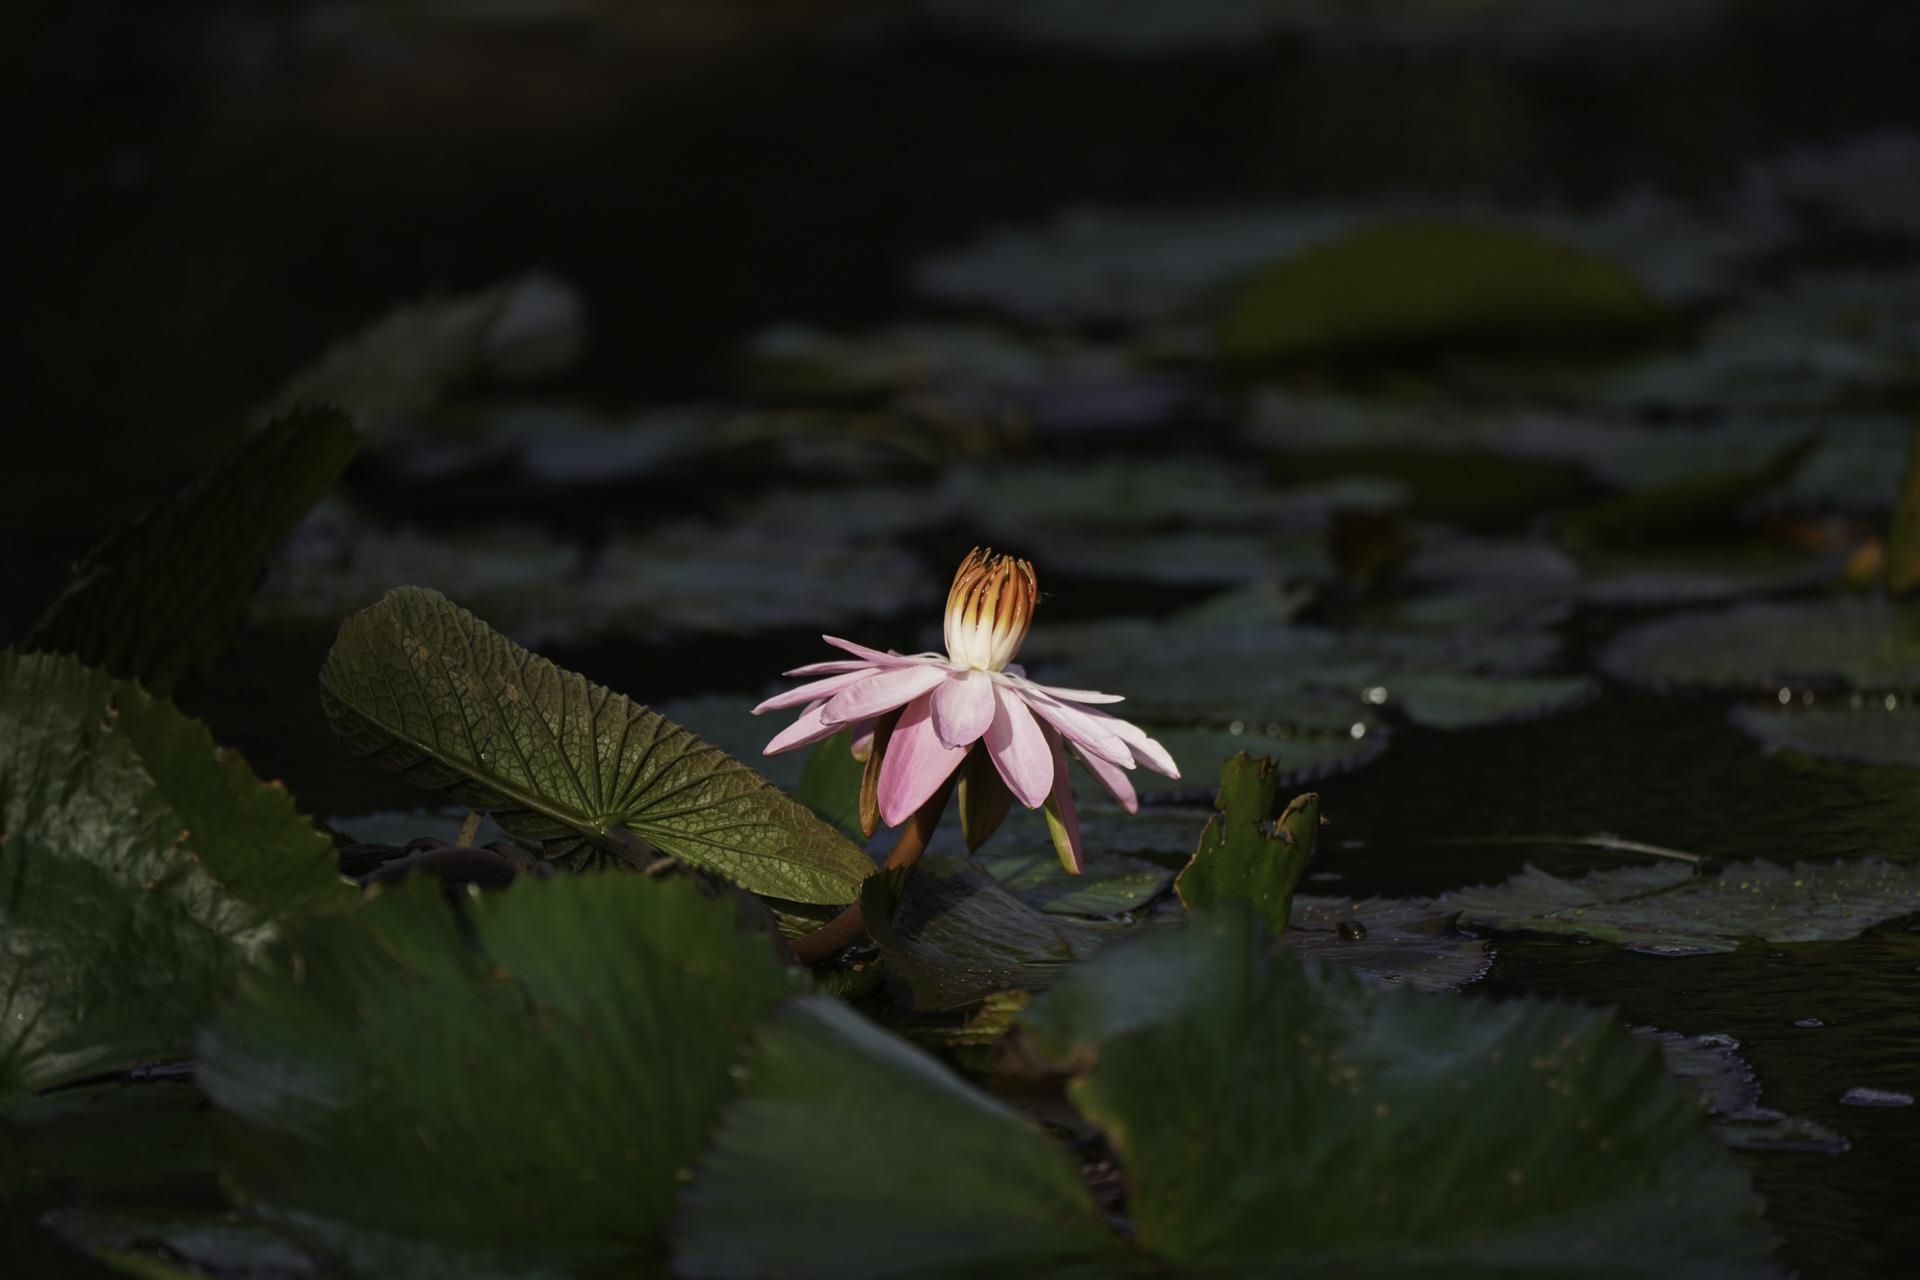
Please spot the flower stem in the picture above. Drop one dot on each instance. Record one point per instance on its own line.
(840, 932)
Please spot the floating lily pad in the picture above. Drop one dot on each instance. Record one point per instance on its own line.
(162, 593)
(1391, 941)
(1298, 758)
(1198, 558)
(1867, 733)
(550, 1077)
(1859, 644)
(1668, 909)
(1272, 1116)
(1731, 1091)
(554, 443)
(145, 867)
(1113, 884)
(117, 1139)
(1443, 701)
(1011, 1202)
(427, 690)
(153, 1244)
(1162, 834)
(1870, 182)
(952, 935)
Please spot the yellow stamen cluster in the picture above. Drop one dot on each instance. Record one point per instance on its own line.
(989, 609)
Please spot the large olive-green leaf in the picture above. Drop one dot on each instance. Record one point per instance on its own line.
(1246, 854)
(1675, 909)
(849, 1153)
(163, 592)
(1422, 287)
(1274, 1117)
(516, 1096)
(426, 689)
(141, 867)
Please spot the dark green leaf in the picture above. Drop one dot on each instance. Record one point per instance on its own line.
(1419, 288)
(1704, 502)
(1862, 644)
(1392, 941)
(142, 866)
(1245, 854)
(1112, 885)
(851, 1154)
(1279, 1118)
(1869, 732)
(180, 1243)
(830, 784)
(952, 935)
(416, 1104)
(426, 689)
(1670, 909)
(161, 594)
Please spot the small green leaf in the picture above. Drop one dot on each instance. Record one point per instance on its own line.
(1670, 909)
(162, 593)
(425, 689)
(1425, 287)
(514, 1093)
(952, 935)
(1273, 1117)
(1245, 855)
(144, 867)
(851, 1154)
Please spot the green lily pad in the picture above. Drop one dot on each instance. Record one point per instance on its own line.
(1276, 1117)
(1702, 502)
(1161, 834)
(1216, 558)
(1246, 854)
(1860, 644)
(1421, 288)
(1113, 884)
(145, 868)
(162, 593)
(1863, 731)
(1391, 941)
(953, 935)
(1669, 909)
(1297, 758)
(180, 1243)
(1010, 1201)
(107, 1140)
(415, 1104)
(427, 690)
(1447, 701)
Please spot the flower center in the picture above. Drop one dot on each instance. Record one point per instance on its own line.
(989, 609)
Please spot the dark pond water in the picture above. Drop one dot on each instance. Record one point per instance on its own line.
(228, 193)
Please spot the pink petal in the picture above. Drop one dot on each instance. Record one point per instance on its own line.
(1063, 821)
(1145, 750)
(805, 731)
(916, 763)
(881, 692)
(829, 668)
(1019, 750)
(818, 691)
(1083, 729)
(1114, 779)
(963, 708)
(1076, 695)
(874, 656)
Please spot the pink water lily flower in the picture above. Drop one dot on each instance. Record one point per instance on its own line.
(917, 719)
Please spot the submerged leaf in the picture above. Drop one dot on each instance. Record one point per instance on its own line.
(417, 1101)
(1273, 1117)
(929, 1176)
(1246, 855)
(1391, 941)
(952, 935)
(1419, 288)
(161, 594)
(427, 690)
(144, 868)
(1670, 909)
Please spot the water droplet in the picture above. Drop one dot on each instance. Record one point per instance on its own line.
(1377, 695)
(1237, 728)
(1808, 1022)
(1358, 730)
(1273, 728)
(1786, 695)
(1892, 703)
(1806, 697)
(1861, 1096)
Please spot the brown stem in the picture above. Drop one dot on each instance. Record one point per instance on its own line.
(840, 932)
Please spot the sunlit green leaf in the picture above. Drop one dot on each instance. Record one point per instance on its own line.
(143, 866)
(415, 1101)
(424, 688)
